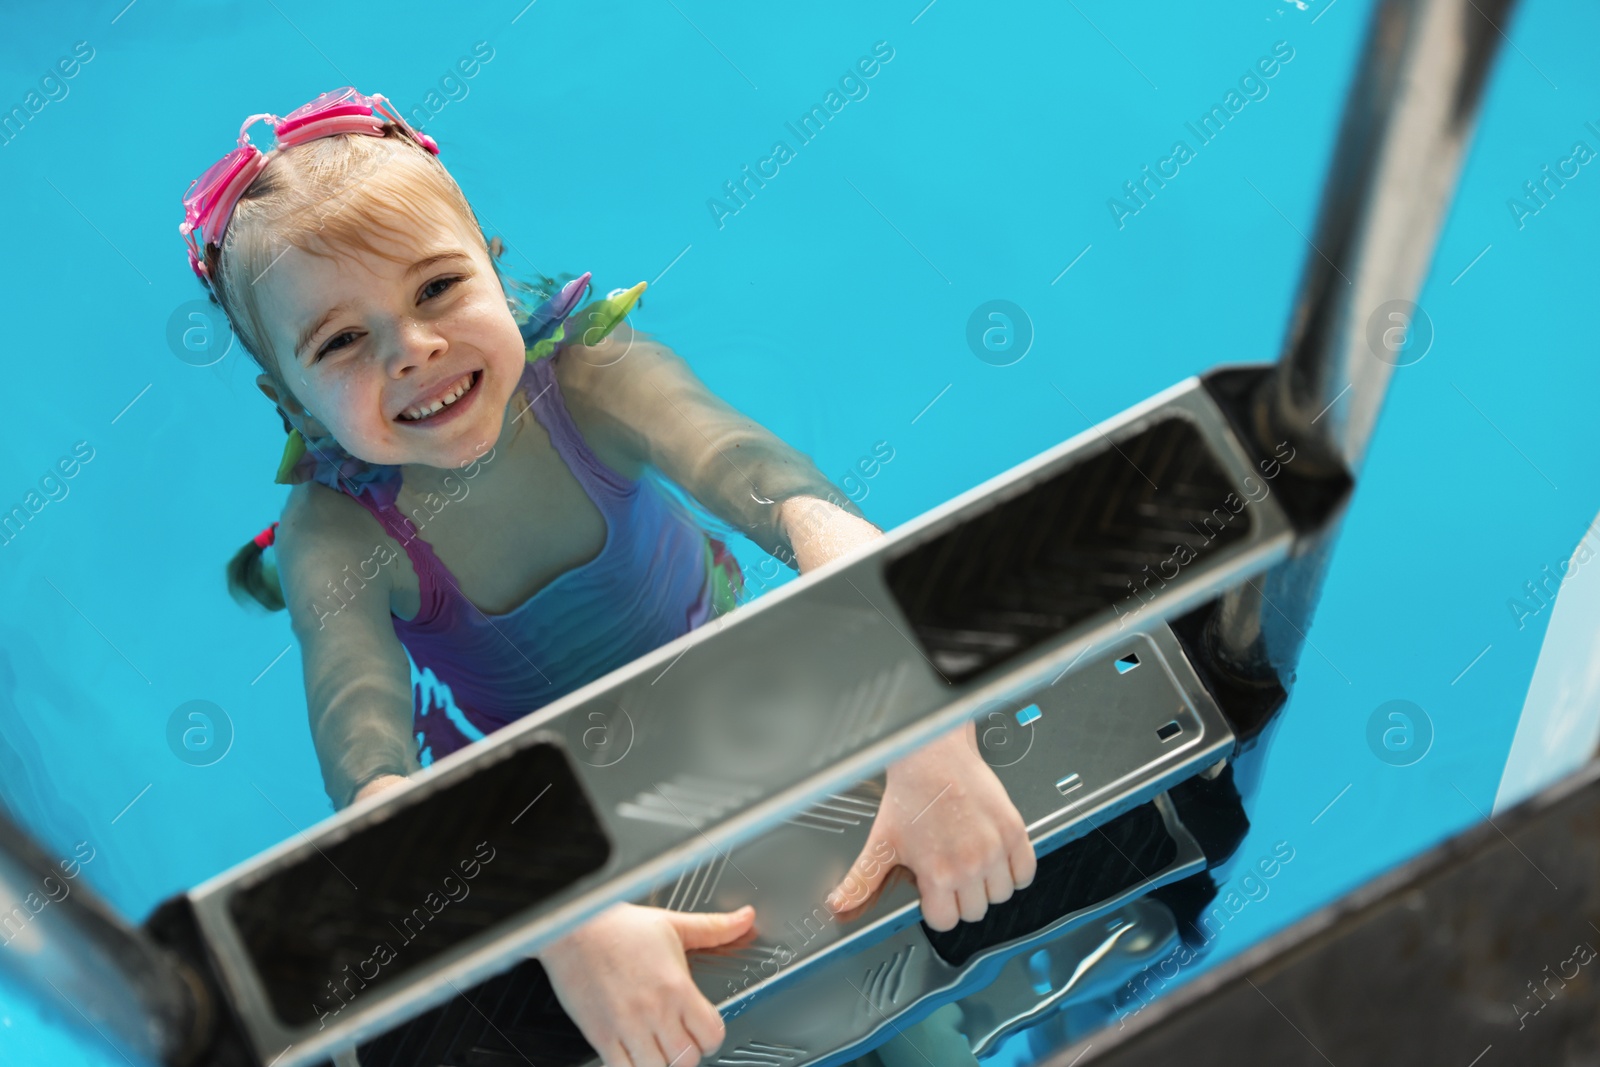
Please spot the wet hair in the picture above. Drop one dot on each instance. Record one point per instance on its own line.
(324, 196)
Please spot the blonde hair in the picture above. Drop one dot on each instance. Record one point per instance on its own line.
(336, 193)
(327, 194)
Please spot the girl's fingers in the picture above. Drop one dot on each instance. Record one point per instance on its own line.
(972, 900)
(642, 1049)
(705, 1025)
(997, 882)
(1024, 864)
(615, 1054)
(940, 910)
(680, 1049)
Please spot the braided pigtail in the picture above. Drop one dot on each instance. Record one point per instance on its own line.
(250, 575)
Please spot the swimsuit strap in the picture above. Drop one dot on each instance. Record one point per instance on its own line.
(429, 568)
(542, 391)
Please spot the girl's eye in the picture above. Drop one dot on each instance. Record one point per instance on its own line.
(332, 344)
(428, 292)
(446, 283)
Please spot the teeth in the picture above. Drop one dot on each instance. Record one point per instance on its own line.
(413, 414)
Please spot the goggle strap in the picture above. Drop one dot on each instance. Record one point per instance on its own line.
(380, 103)
(216, 218)
(328, 127)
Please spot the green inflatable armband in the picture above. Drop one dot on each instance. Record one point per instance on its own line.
(293, 449)
(590, 325)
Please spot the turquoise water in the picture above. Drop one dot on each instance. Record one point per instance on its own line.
(975, 164)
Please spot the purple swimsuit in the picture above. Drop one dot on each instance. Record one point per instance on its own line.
(658, 576)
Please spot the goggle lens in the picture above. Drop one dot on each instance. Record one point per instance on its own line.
(203, 188)
(200, 201)
(327, 101)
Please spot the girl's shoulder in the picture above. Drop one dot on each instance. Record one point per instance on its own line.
(317, 520)
(322, 538)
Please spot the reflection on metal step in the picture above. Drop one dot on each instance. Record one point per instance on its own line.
(1088, 961)
(695, 888)
(885, 980)
(760, 1054)
(1103, 843)
(1101, 722)
(849, 1003)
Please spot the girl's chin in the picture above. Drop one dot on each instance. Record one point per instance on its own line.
(468, 442)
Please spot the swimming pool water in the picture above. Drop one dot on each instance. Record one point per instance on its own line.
(831, 294)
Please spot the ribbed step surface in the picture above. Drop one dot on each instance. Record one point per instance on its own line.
(515, 1018)
(1067, 548)
(359, 912)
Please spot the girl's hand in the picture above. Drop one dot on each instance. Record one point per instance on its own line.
(945, 816)
(624, 979)
(377, 785)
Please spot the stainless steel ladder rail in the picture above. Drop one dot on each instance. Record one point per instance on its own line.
(1081, 758)
(799, 694)
(1114, 733)
(1407, 122)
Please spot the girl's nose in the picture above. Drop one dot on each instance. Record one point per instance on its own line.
(414, 345)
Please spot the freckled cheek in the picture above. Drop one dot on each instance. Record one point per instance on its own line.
(501, 353)
(486, 324)
(353, 409)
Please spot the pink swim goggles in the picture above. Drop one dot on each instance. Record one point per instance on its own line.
(211, 197)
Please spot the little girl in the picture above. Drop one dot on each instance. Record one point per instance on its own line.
(542, 450)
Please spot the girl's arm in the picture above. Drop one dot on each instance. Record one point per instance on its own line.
(357, 677)
(976, 852)
(820, 531)
(646, 396)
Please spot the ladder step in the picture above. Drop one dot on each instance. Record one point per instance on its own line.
(801, 694)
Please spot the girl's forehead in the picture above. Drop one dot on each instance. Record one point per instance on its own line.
(312, 280)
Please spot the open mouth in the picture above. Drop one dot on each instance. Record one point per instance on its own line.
(446, 407)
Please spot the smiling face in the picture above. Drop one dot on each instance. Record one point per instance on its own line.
(364, 342)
